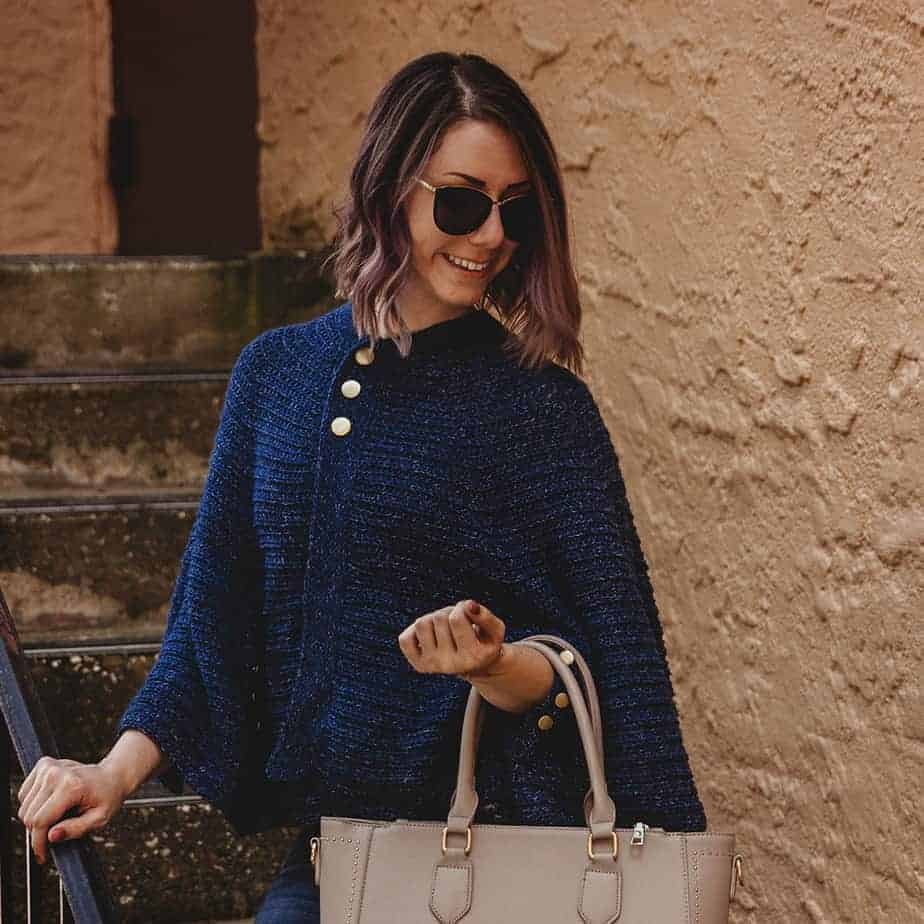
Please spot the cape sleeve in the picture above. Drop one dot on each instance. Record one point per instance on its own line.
(581, 518)
(195, 703)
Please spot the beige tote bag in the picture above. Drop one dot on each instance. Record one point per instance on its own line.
(422, 872)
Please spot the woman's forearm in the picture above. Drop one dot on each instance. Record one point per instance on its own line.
(133, 760)
(516, 681)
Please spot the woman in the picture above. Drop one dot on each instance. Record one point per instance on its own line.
(399, 490)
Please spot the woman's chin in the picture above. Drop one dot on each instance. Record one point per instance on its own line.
(460, 296)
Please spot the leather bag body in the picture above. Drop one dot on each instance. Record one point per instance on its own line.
(435, 872)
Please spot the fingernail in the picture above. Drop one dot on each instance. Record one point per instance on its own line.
(473, 607)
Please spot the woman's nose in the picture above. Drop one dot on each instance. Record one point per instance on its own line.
(491, 233)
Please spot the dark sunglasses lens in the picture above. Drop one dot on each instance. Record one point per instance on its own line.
(459, 210)
(521, 218)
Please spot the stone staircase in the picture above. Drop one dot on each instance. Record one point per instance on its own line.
(112, 376)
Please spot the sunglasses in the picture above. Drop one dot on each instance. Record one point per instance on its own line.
(462, 210)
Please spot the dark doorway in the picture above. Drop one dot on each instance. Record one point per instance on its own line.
(183, 147)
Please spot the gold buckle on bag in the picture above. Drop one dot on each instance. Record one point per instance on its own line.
(590, 845)
(468, 839)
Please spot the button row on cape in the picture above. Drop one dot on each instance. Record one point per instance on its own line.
(561, 700)
(350, 388)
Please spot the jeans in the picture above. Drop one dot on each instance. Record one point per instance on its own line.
(292, 897)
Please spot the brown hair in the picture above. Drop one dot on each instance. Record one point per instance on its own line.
(536, 295)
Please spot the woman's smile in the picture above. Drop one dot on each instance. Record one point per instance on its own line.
(469, 267)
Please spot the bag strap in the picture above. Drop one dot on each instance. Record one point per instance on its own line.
(600, 811)
(586, 678)
(590, 696)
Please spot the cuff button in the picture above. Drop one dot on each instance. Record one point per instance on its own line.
(545, 722)
(561, 700)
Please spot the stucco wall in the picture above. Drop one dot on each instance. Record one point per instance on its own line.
(55, 100)
(746, 187)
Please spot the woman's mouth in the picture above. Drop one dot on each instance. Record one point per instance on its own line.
(468, 267)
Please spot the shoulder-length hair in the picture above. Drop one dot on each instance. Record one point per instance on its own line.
(536, 295)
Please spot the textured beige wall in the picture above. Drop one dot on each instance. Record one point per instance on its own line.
(746, 185)
(55, 99)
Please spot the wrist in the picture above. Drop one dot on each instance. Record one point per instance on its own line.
(496, 668)
(131, 761)
(118, 776)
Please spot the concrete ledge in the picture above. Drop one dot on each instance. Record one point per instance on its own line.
(169, 312)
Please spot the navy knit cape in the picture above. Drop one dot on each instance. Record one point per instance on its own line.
(280, 693)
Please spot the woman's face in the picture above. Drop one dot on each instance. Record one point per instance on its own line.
(472, 153)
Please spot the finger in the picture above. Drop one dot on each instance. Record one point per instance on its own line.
(464, 632)
(54, 808)
(47, 816)
(446, 653)
(407, 642)
(37, 840)
(425, 632)
(445, 642)
(30, 846)
(29, 783)
(26, 787)
(36, 798)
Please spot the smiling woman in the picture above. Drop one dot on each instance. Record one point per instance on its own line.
(387, 478)
(452, 270)
(456, 202)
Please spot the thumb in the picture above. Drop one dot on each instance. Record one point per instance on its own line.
(485, 619)
(73, 827)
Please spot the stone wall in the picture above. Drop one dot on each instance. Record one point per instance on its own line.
(55, 101)
(745, 184)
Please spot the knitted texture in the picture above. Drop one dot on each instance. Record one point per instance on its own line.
(281, 694)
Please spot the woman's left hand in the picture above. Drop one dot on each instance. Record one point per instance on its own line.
(466, 639)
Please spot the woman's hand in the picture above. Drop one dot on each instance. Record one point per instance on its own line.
(466, 639)
(53, 787)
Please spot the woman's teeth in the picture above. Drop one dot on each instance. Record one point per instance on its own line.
(466, 264)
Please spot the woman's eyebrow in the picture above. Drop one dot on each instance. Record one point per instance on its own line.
(481, 183)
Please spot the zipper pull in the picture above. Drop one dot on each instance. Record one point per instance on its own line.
(638, 834)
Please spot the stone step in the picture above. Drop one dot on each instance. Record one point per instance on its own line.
(88, 567)
(105, 312)
(106, 433)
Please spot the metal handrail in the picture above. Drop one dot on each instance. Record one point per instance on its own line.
(80, 873)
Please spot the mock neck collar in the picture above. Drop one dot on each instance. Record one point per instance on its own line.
(473, 328)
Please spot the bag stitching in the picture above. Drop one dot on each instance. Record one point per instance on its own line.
(601, 872)
(334, 839)
(697, 892)
(362, 896)
(468, 892)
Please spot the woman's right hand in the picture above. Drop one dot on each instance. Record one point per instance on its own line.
(55, 786)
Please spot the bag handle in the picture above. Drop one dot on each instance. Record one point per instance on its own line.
(599, 809)
(590, 697)
(589, 690)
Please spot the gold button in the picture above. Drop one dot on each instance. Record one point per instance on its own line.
(340, 425)
(364, 356)
(561, 700)
(567, 657)
(545, 722)
(350, 388)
